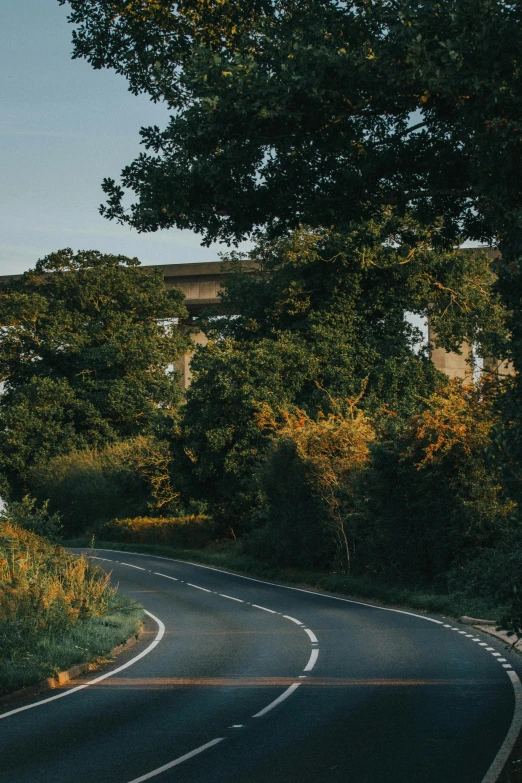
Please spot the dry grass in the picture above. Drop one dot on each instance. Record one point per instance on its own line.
(55, 609)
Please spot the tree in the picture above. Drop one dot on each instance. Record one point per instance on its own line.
(321, 112)
(87, 340)
(323, 316)
(433, 499)
(316, 111)
(220, 443)
(323, 459)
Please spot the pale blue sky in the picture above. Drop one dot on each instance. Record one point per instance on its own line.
(63, 127)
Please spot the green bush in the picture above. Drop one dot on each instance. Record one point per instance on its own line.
(434, 508)
(291, 531)
(27, 515)
(190, 531)
(56, 610)
(43, 589)
(491, 573)
(91, 487)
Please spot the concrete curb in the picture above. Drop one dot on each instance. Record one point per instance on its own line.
(490, 627)
(509, 639)
(62, 678)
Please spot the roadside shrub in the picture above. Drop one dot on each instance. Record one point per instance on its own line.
(309, 482)
(494, 573)
(191, 532)
(432, 502)
(43, 589)
(26, 514)
(92, 486)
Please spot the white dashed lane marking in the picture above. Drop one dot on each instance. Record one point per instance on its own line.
(189, 584)
(231, 598)
(292, 619)
(277, 701)
(313, 660)
(180, 760)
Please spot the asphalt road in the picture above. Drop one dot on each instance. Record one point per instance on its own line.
(257, 683)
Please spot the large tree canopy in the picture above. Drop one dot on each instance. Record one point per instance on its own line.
(322, 112)
(324, 318)
(317, 111)
(87, 340)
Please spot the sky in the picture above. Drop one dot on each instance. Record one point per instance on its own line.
(63, 128)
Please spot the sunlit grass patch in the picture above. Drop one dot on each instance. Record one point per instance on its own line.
(56, 610)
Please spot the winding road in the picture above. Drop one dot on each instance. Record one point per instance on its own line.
(237, 680)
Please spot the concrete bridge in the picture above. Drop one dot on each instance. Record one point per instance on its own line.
(201, 282)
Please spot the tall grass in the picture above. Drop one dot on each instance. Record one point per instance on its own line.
(55, 609)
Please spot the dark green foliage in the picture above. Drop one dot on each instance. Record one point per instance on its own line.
(432, 502)
(316, 112)
(87, 341)
(292, 529)
(319, 112)
(221, 443)
(346, 295)
(323, 317)
(492, 572)
(28, 516)
(91, 487)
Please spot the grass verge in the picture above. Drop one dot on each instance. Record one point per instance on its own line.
(88, 641)
(56, 610)
(364, 588)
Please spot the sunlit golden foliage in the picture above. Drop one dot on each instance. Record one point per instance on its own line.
(458, 418)
(187, 531)
(43, 588)
(333, 449)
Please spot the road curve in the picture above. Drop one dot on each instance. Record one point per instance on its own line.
(262, 683)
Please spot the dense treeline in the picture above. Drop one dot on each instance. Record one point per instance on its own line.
(316, 432)
(360, 144)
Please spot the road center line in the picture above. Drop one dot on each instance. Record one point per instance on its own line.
(311, 634)
(297, 622)
(199, 588)
(180, 760)
(313, 660)
(274, 703)
(231, 598)
(264, 609)
(139, 568)
(156, 573)
(70, 691)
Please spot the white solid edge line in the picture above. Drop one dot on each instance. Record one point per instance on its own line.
(132, 566)
(275, 584)
(175, 763)
(256, 606)
(516, 723)
(274, 703)
(156, 573)
(70, 691)
(314, 655)
(297, 622)
(311, 634)
(507, 746)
